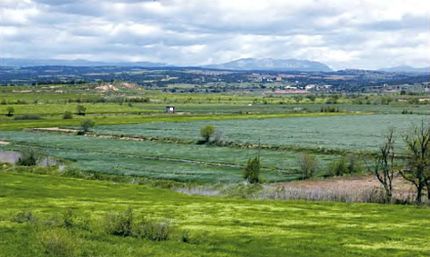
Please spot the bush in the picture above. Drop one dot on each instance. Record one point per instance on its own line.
(86, 125)
(28, 158)
(28, 117)
(67, 115)
(153, 230)
(185, 236)
(119, 224)
(24, 216)
(207, 132)
(58, 243)
(329, 109)
(81, 110)
(353, 165)
(338, 167)
(252, 170)
(308, 165)
(10, 111)
(68, 218)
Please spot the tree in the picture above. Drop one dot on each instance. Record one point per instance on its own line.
(80, 110)
(10, 111)
(385, 167)
(67, 115)
(417, 170)
(28, 158)
(86, 125)
(308, 165)
(252, 170)
(207, 132)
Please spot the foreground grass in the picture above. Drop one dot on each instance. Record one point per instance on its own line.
(217, 226)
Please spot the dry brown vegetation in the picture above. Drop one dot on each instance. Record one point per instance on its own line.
(344, 189)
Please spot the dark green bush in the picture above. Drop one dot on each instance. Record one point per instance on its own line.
(81, 110)
(28, 158)
(185, 236)
(338, 167)
(345, 165)
(86, 125)
(67, 115)
(153, 230)
(120, 224)
(10, 111)
(252, 170)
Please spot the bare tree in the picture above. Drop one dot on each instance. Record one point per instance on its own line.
(418, 159)
(385, 166)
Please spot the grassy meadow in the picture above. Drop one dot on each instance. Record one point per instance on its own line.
(215, 226)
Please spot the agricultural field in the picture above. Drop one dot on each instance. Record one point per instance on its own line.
(345, 132)
(181, 162)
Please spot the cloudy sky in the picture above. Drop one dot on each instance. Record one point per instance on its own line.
(342, 34)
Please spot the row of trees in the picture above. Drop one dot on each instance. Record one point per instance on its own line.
(413, 165)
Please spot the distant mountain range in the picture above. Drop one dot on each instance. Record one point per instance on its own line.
(58, 62)
(267, 64)
(406, 69)
(244, 64)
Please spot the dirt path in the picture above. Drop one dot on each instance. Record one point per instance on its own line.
(56, 129)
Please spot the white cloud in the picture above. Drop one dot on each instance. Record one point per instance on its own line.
(354, 34)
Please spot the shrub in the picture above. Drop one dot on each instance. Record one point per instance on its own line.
(81, 110)
(58, 243)
(67, 115)
(308, 165)
(10, 111)
(153, 230)
(252, 170)
(185, 236)
(329, 109)
(338, 167)
(28, 117)
(28, 158)
(68, 218)
(86, 125)
(24, 216)
(353, 165)
(207, 132)
(119, 224)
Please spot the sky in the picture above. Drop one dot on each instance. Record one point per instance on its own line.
(367, 34)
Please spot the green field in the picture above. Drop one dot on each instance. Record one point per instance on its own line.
(346, 132)
(182, 162)
(217, 226)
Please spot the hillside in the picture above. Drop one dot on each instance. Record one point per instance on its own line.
(272, 64)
